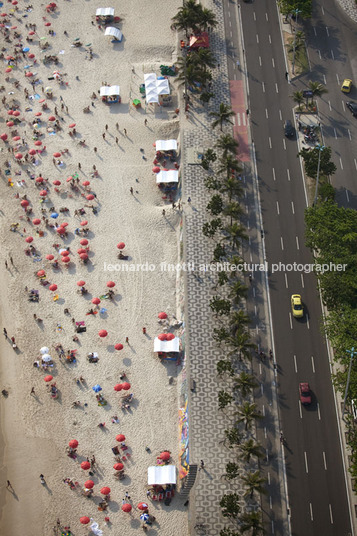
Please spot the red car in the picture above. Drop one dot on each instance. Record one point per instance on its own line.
(305, 393)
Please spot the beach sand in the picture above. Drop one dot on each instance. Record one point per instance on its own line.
(35, 429)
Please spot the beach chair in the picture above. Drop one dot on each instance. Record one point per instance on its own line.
(161, 496)
(154, 497)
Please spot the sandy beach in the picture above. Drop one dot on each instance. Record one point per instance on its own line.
(35, 430)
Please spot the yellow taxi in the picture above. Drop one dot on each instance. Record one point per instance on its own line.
(346, 85)
(296, 306)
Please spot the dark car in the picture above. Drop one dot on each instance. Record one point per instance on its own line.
(305, 393)
(289, 130)
(352, 106)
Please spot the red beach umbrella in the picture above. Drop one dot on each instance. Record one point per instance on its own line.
(84, 520)
(81, 283)
(61, 230)
(118, 387)
(162, 316)
(10, 112)
(32, 33)
(83, 223)
(57, 154)
(16, 138)
(105, 490)
(102, 333)
(88, 484)
(24, 203)
(29, 74)
(18, 156)
(8, 70)
(119, 346)
(36, 221)
(96, 301)
(41, 273)
(3, 137)
(10, 123)
(165, 456)
(56, 182)
(162, 337)
(49, 378)
(16, 113)
(156, 169)
(83, 256)
(118, 466)
(170, 337)
(83, 242)
(66, 259)
(126, 386)
(64, 224)
(50, 257)
(90, 197)
(110, 284)
(52, 118)
(72, 125)
(47, 24)
(126, 507)
(121, 245)
(32, 152)
(39, 179)
(81, 250)
(29, 239)
(143, 506)
(73, 443)
(32, 56)
(53, 287)
(69, 179)
(64, 253)
(43, 193)
(120, 437)
(86, 183)
(85, 466)
(38, 143)
(38, 114)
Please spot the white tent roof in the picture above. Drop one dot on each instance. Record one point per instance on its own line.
(104, 11)
(163, 87)
(149, 76)
(152, 96)
(161, 475)
(167, 176)
(115, 32)
(166, 145)
(108, 91)
(155, 87)
(167, 346)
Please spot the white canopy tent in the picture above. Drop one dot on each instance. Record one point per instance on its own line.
(114, 32)
(167, 346)
(166, 145)
(105, 12)
(163, 87)
(170, 175)
(161, 475)
(155, 87)
(109, 91)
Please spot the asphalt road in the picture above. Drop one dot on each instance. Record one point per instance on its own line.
(315, 475)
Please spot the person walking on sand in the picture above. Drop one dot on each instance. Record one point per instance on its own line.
(202, 465)
(144, 331)
(103, 135)
(117, 140)
(6, 265)
(125, 133)
(95, 149)
(12, 261)
(145, 122)
(106, 127)
(163, 212)
(8, 484)
(33, 391)
(117, 126)
(132, 191)
(127, 340)
(5, 333)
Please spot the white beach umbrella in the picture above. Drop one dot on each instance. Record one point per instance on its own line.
(46, 358)
(44, 350)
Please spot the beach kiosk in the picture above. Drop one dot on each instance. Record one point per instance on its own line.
(115, 33)
(161, 475)
(166, 176)
(167, 346)
(110, 94)
(104, 15)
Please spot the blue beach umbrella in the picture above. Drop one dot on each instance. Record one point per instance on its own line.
(54, 215)
(26, 49)
(97, 388)
(145, 517)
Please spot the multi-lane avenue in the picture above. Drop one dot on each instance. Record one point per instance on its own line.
(317, 496)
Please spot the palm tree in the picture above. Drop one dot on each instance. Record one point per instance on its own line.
(250, 448)
(190, 75)
(238, 319)
(251, 521)
(317, 89)
(222, 116)
(236, 233)
(254, 482)
(233, 210)
(298, 97)
(206, 19)
(202, 58)
(241, 344)
(299, 42)
(182, 21)
(245, 383)
(238, 290)
(229, 165)
(248, 413)
(228, 144)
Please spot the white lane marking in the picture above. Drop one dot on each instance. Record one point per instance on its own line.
(332, 54)
(254, 17)
(297, 243)
(277, 208)
(262, 388)
(270, 503)
(273, 63)
(282, 243)
(276, 88)
(270, 145)
(302, 281)
(327, 32)
(313, 364)
(231, 36)
(269, 38)
(355, 161)
(295, 363)
(324, 77)
(288, 172)
(257, 36)
(292, 207)
(319, 54)
(263, 86)
(265, 432)
(322, 9)
(229, 13)
(318, 411)
(349, 134)
(260, 367)
(343, 106)
(331, 517)
(348, 197)
(284, 144)
(307, 321)
(306, 465)
(335, 133)
(269, 478)
(235, 76)
(291, 324)
(341, 163)
(263, 410)
(311, 514)
(266, 16)
(280, 116)
(275, 177)
(286, 281)
(338, 79)
(324, 459)
(266, 113)
(238, 119)
(230, 24)
(300, 410)
(329, 105)
(260, 61)
(315, 31)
